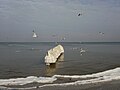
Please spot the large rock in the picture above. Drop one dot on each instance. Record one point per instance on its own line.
(53, 54)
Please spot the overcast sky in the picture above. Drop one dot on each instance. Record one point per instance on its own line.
(52, 19)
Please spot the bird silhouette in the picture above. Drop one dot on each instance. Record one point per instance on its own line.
(79, 14)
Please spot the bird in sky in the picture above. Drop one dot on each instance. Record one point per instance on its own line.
(101, 33)
(79, 14)
(34, 34)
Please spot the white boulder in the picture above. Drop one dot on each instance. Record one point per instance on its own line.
(53, 54)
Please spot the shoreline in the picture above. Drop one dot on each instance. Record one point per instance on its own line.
(109, 85)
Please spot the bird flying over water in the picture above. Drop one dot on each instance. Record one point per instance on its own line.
(82, 51)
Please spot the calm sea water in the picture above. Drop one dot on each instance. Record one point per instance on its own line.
(26, 59)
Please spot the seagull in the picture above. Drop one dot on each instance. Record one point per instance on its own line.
(82, 51)
(34, 34)
(79, 14)
(63, 38)
(101, 33)
(53, 35)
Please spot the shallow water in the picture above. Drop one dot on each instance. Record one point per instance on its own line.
(21, 60)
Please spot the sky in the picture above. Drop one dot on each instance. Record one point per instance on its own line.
(55, 19)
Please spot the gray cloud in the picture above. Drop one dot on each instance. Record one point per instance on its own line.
(19, 17)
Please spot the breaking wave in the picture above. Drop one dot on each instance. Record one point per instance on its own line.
(109, 75)
(27, 80)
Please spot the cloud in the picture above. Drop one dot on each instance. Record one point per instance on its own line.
(112, 2)
(57, 17)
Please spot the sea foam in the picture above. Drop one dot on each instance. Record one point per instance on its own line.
(109, 75)
(27, 80)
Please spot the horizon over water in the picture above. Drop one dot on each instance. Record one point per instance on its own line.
(22, 64)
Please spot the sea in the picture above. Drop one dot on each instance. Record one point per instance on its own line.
(22, 64)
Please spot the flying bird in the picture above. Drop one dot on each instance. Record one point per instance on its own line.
(82, 51)
(54, 35)
(101, 33)
(79, 14)
(63, 38)
(34, 34)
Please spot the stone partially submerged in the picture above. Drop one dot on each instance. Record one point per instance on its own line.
(53, 54)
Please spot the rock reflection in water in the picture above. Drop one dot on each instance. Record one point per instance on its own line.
(61, 58)
(52, 68)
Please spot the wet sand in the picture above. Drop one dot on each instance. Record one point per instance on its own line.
(112, 85)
